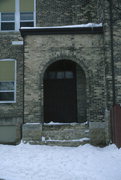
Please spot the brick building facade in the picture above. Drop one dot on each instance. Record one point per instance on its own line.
(65, 72)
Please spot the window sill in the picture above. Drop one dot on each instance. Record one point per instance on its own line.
(7, 102)
(9, 31)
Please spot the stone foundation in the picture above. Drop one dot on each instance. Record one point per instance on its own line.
(32, 132)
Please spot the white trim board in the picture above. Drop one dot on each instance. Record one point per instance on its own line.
(17, 43)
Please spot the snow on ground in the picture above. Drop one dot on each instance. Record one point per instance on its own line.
(37, 162)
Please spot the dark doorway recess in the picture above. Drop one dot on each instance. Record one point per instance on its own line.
(60, 97)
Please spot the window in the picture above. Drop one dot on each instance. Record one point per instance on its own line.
(59, 75)
(16, 13)
(7, 81)
(26, 19)
(7, 21)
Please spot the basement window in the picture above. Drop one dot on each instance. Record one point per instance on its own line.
(7, 81)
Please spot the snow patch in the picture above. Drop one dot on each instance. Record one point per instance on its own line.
(38, 162)
(72, 140)
(58, 123)
(68, 26)
(33, 123)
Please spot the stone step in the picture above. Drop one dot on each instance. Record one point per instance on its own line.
(67, 143)
(65, 134)
(64, 131)
(61, 126)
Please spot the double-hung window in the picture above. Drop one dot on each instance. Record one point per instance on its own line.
(7, 81)
(7, 15)
(27, 13)
(16, 13)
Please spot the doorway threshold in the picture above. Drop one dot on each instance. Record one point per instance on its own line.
(59, 123)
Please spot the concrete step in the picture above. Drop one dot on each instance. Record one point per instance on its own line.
(64, 132)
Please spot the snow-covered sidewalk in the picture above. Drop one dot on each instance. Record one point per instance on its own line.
(35, 162)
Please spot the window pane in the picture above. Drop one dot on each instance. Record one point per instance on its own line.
(7, 71)
(6, 96)
(69, 75)
(60, 75)
(26, 16)
(6, 85)
(26, 24)
(51, 75)
(7, 16)
(7, 26)
(26, 5)
(7, 5)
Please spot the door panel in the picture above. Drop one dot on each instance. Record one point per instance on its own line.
(60, 101)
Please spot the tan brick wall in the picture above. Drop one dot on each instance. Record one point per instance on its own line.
(85, 50)
(67, 12)
(91, 52)
(11, 114)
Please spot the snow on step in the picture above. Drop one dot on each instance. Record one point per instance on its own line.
(73, 140)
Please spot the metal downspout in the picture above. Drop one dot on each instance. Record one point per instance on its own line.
(112, 51)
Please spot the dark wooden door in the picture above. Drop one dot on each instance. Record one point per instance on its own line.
(60, 96)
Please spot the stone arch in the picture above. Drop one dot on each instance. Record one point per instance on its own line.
(75, 59)
(80, 64)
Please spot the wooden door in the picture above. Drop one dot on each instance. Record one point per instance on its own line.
(60, 94)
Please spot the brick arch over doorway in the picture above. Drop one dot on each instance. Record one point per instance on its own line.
(64, 92)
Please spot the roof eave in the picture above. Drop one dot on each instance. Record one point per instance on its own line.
(57, 30)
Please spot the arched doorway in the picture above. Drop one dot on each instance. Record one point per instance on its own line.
(61, 92)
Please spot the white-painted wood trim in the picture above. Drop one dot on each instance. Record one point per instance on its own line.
(7, 102)
(34, 13)
(0, 21)
(7, 90)
(7, 60)
(17, 15)
(17, 43)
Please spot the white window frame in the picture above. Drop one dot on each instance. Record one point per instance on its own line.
(17, 17)
(14, 91)
(35, 5)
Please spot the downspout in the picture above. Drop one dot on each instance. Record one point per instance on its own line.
(112, 67)
(112, 50)
(23, 93)
(23, 78)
